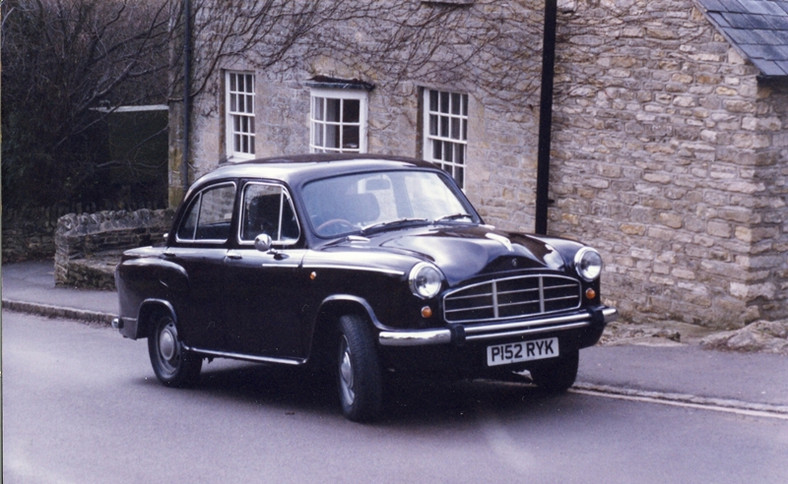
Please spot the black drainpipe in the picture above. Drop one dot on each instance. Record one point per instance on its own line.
(187, 65)
(545, 117)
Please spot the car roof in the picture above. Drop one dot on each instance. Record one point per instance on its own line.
(301, 168)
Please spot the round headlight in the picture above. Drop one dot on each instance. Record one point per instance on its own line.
(588, 263)
(425, 280)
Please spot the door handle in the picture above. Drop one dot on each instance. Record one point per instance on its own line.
(234, 255)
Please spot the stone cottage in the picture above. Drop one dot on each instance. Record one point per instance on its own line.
(669, 148)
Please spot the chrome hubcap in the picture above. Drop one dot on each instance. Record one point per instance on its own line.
(346, 373)
(168, 338)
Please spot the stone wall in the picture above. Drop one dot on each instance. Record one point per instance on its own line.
(668, 153)
(89, 245)
(29, 234)
(670, 156)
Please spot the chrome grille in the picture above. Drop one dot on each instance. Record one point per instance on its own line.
(511, 297)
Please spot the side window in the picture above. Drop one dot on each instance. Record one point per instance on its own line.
(208, 217)
(267, 208)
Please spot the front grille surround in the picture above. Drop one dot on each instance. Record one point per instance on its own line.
(515, 297)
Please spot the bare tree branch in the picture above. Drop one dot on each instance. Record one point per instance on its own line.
(63, 58)
(390, 41)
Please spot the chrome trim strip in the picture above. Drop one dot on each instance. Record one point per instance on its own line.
(415, 337)
(528, 332)
(495, 305)
(357, 238)
(253, 358)
(490, 328)
(353, 268)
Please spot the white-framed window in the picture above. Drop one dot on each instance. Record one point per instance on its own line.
(239, 118)
(445, 135)
(338, 121)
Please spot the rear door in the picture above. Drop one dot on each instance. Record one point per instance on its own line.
(201, 244)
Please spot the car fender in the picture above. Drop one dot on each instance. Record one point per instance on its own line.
(169, 274)
(340, 304)
(148, 307)
(141, 289)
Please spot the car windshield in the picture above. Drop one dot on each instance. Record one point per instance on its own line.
(369, 202)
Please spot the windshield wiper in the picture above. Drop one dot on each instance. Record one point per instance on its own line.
(390, 224)
(454, 216)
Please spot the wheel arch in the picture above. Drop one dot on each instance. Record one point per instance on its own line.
(326, 326)
(150, 307)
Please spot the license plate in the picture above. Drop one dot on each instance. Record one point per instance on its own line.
(509, 353)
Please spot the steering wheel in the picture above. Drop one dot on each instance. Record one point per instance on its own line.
(339, 225)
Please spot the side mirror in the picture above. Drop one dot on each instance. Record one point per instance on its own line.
(263, 242)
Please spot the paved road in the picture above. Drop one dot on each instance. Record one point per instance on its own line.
(80, 404)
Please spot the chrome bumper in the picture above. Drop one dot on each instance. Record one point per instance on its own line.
(126, 326)
(415, 337)
(481, 332)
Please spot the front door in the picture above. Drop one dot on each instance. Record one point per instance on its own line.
(263, 310)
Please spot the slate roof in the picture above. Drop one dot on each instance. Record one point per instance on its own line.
(758, 28)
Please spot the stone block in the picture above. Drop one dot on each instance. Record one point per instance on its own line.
(719, 229)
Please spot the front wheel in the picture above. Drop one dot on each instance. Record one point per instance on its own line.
(173, 365)
(359, 377)
(557, 377)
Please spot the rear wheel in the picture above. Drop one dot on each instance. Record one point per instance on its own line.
(558, 376)
(359, 378)
(173, 365)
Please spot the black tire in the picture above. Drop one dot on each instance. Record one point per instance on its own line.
(172, 364)
(359, 378)
(557, 377)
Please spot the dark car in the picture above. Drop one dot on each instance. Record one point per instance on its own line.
(361, 265)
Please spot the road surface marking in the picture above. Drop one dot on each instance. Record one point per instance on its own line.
(684, 400)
